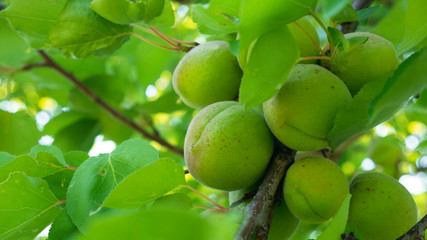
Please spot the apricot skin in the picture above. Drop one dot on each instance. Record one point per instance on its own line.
(380, 207)
(314, 189)
(372, 60)
(226, 147)
(302, 113)
(306, 47)
(207, 74)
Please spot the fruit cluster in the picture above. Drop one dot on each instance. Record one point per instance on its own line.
(229, 148)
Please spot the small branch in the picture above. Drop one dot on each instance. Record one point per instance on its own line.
(221, 208)
(258, 213)
(331, 41)
(159, 33)
(49, 62)
(417, 232)
(156, 44)
(245, 197)
(310, 38)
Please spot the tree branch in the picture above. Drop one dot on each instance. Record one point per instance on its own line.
(417, 232)
(49, 62)
(258, 213)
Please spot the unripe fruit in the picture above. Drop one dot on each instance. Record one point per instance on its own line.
(314, 189)
(226, 147)
(207, 74)
(380, 207)
(306, 47)
(370, 61)
(302, 113)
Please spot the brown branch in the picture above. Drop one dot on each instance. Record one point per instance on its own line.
(258, 213)
(417, 232)
(49, 62)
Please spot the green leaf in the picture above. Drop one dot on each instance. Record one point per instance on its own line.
(331, 8)
(338, 223)
(379, 100)
(258, 19)
(167, 18)
(229, 7)
(80, 32)
(148, 183)
(396, 18)
(366, 13)
(33, 20)
(271, 59)
(77, 136)
(63, 228)
(408, 80)
(354, 118)
(347, 14)
(98, 176)
(415, 26)
(6, 158)
(173, 201)
(211, 22)
(43, 165)
(59, 181)
(75, 158)
(159, 224)
(14, 50)
(119, 11)
(51, 149)
(154, 9)
(18, 132)
(27, 206)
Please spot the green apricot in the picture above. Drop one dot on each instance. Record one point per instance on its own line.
(374, 59)
(226, 147)
(283, 223)
(302, 113)
(314, 189)
(380, 207)
(306, 47)
(207, 74)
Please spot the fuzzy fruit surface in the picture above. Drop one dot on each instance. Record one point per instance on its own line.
(380, 207)
(302, 113)
(226, 147)
(374, 59)
(207, 74)
(306, 47)
(314, 189)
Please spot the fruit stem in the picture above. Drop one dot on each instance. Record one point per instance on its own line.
(314, 57)
(156, 44)
(157, 31)
(331, 41)
(213, 209)
(310, 38)
(203, 196)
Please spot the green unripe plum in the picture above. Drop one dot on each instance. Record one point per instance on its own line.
(302, 113)
(283, 223)
(380, 207)
(306, 47)
(226, 147)
(207, 74)
(374, 59)
(314, 189)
